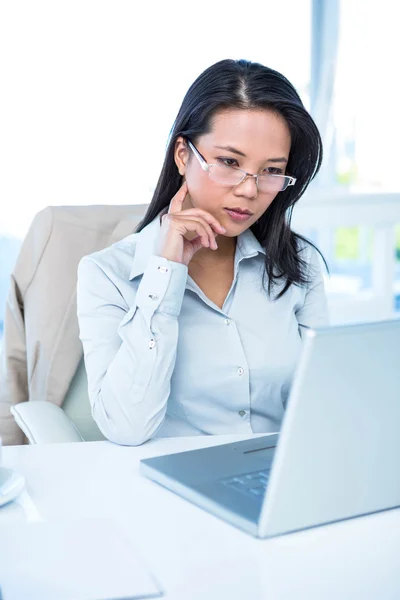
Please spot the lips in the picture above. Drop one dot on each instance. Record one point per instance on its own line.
(240, 211)
(238, 214)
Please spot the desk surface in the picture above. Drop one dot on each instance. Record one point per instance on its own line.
(193, 554)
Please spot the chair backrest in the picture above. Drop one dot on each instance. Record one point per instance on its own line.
(77, 407)
(34, 296)
(76, 404)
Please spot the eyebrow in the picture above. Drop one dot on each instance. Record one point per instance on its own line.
(281, 159)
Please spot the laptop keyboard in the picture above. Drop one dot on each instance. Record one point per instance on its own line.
(251, 484)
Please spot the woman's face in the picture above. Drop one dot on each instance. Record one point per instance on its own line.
(256, 141)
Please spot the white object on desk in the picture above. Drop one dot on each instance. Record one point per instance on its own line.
(11, 485)
(79, 560)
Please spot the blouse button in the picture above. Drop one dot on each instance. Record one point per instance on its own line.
(242, 413)
(163, 269)
(152, 344)
(227, 322)
(240, 371)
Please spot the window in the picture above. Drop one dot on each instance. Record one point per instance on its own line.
(360, 170)
(365, 114)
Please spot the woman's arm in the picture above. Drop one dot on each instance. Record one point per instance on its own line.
(130, 351)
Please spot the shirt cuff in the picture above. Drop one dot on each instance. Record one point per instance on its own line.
(162, 287)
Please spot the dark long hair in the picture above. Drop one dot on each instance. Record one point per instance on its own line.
(242, 84)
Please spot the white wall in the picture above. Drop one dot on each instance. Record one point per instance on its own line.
(90, 88)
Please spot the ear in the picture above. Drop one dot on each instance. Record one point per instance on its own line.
(181, 155)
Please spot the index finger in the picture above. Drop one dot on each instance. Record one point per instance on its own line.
(175, 206)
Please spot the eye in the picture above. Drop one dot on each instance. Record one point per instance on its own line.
(274, 171)
(229, 162)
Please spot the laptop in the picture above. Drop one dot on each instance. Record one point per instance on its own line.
(337, 455)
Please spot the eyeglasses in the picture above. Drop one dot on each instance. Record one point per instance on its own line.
(227, 175)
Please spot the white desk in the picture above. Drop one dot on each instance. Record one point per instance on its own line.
(193, 554)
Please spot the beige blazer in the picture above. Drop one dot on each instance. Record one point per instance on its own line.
(41, 347)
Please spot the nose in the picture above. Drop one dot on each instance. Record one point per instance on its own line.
(248, 187)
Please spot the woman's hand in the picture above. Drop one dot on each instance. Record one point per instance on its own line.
(177, 223)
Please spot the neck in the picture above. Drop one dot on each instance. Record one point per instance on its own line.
(225, 251)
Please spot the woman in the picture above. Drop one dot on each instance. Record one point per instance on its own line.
(192, 324)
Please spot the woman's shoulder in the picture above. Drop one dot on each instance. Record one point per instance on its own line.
(312, 259)
(307, 250)
(125, 259)
(115, 260)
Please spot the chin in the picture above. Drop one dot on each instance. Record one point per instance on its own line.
(234, 226)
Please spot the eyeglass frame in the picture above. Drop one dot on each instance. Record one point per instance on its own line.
(206, 167)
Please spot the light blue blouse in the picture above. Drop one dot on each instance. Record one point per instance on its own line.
(162, 359)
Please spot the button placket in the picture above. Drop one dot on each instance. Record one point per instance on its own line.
(243, 414)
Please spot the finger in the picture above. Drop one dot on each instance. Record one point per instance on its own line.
(196, 244)
(212, 221)
(191, 225)
(175, 206)
(210, 232)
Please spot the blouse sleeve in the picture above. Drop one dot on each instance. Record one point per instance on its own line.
(130, 351)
